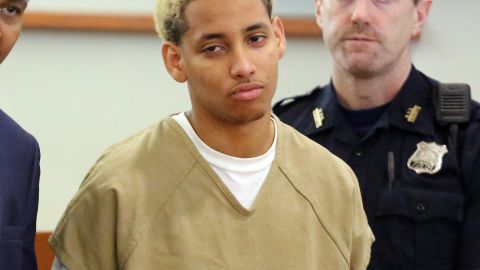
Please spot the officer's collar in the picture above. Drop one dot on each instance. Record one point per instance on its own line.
(325, 100)
(415, 95)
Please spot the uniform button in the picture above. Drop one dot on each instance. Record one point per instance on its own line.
(421, 208)
(358, 153)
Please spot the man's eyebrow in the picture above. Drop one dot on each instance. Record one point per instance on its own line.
(255, 27)
(250, 28)
(212, 36)
(16, 2)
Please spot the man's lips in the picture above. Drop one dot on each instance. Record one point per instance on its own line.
(360, 39)
(247, 91)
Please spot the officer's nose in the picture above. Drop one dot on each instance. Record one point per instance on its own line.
(242, 65)
(361, 11)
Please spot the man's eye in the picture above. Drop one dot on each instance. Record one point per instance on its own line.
(11, 10)
(212, 49)
(343, 1)
(384, 1)
(257, 39)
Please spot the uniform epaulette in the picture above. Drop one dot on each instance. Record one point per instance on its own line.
(286, 103)
(475, 111)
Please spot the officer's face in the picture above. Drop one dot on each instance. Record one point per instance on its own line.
(229, 58)
(11, 12)
(367, 37)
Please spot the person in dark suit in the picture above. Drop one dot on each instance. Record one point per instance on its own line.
(19, 166)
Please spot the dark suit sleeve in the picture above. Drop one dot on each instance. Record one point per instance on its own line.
(28, 249)
(19, 180)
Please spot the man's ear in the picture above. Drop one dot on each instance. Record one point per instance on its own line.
(318, 13)
(279, 35)
(173, 61)
(422, 10)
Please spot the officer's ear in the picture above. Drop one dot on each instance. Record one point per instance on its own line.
(173, 61)
(318, 13)
(422, 10)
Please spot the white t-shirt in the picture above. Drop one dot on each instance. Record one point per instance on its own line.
(243, 176)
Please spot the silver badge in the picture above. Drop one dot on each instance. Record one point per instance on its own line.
(427, 158)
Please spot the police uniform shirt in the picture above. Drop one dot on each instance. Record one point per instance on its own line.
(420, 220)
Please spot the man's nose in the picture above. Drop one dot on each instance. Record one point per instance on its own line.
(242, 64)
(361, 11)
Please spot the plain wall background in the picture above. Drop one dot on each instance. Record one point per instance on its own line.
(79, 92)
(282, 7)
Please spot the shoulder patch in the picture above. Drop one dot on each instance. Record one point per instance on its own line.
(475, 110)
(285, 101)
(294, 99)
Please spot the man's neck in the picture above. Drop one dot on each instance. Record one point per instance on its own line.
(243, 140)
(364, 93)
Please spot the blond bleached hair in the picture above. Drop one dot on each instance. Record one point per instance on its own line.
(170, 22)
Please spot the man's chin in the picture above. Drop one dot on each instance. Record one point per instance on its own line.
(241, 119)
(361, 68)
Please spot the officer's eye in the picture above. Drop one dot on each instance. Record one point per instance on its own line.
(384, 1)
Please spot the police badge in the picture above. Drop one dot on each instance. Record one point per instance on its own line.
(427, 158)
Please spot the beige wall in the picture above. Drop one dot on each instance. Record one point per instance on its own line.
(80, 92)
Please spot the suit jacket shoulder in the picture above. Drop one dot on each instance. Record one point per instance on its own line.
(19, 179)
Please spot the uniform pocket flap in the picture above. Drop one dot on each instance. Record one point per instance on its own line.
(11, 233)
(421, 205)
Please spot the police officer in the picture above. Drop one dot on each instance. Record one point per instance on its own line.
(413, 142)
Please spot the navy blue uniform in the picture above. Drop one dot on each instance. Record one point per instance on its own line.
(420, 221)
(19, 175)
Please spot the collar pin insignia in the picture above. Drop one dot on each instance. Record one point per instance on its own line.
(412, 114)
(318, 117)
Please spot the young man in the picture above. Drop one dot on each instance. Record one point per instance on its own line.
(417, 174)
(224, 185)
(19, 166)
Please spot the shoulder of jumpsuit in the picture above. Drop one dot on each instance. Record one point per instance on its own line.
(162, 152)
(412, 109)
(14, 140)
(298, 111)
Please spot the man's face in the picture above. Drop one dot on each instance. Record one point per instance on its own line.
(11, 12)
(367, 37)
(229, 58)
